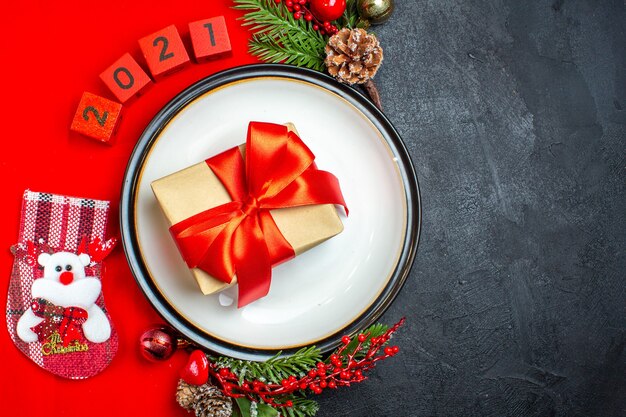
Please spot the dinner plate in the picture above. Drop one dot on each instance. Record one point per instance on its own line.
(336, 288)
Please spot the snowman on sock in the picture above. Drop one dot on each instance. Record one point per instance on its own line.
(64, 300)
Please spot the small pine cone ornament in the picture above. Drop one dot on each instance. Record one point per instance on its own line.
(204, 400)
(353, 56)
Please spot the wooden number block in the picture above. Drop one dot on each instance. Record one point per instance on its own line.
(96, 117)
(125, 78)
(209, 38)
(164, 51)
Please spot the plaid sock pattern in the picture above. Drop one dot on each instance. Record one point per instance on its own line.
(55, 223)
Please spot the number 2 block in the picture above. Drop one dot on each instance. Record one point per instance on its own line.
(125, 78)
(96, 117)
(209, 38)
(164, 51)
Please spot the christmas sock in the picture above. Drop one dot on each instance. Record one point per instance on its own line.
(55, 308)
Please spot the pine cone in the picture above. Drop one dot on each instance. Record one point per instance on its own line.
(353, 56)
(205, 400)
(185, 394)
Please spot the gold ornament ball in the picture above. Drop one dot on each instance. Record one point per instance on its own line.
(375, 11)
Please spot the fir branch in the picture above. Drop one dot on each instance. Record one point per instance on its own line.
(279, 37)
(286, 50)
(282, 382)
(275, 369)
(276, 21)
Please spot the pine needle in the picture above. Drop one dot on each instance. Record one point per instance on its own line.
(350, 18)
(276, 368)
(279, 37)
(302, 407)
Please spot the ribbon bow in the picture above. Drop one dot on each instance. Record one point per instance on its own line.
(241, 237)
(66, 320)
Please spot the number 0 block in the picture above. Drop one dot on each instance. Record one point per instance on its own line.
(164, 51)
(125, 78)
(209, 38)
(96, 117)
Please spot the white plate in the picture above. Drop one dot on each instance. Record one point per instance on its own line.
(319, 294)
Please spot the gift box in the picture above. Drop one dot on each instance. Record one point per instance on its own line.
(239, 213)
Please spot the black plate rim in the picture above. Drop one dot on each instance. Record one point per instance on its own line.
(152, 131)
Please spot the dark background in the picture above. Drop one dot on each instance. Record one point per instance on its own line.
(514, 113)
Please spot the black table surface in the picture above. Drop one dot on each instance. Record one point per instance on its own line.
(514, 113)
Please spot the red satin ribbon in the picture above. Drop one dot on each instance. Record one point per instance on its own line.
(241, 237)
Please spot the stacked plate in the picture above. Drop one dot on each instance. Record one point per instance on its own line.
(336, 288)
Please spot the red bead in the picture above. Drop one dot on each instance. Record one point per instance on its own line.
(303, 385)
(332, 384)
(289, 403)
(321, 365)
(345, 340)
(289, 3)
(344, 375)
(224, 372)
(292, 378)
(328, 9)
(358, 373)
(323, 384)
(395, 349)
(276, 1)
(316, 27)
(296, 7)
(284, 383)
(297, 15)
(388, 351)
(362, 338)
(196, 372)
(312, 373)
(334, 358)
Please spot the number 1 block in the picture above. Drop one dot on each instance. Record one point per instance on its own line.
(96, 117)
(125, 78)
(164, 51)
(209, 38)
